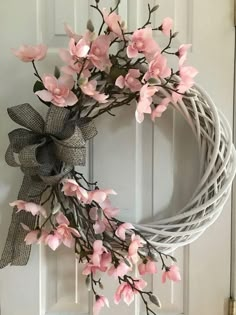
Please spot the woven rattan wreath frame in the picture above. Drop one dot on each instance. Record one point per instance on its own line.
(217, 170)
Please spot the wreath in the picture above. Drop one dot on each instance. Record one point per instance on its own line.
(57, 205)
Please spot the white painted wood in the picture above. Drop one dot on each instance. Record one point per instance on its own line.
(152, 167)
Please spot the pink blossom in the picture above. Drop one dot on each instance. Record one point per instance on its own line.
(73, 66)
(32, 207)
(167, 26)
(182, 53)
(142, 42)
(113, 21)
(127, 292)
(29, 53)
(109, 211)
(89, 88)
(72, 188)
(98, 54)
(98, 250)
(158, 68)
(145, 101)
(70, 33)
(100, 195)
(172, 273)
(58, 91)
(53, 240)
(99, 226)
(120, 232)
(80, 49)
(130, 80)
(119, 271)
(101, 301)
(135, 244)
(187, 74)
(64, 232)
(160, 108)
(105, 261)
(148, 267)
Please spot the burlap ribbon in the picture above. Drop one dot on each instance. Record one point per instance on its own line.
(47, 151)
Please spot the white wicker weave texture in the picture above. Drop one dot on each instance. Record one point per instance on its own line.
(217, 167)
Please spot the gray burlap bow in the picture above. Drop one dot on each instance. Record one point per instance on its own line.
(47, 151)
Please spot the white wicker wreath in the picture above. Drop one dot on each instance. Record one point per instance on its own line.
(217, 169)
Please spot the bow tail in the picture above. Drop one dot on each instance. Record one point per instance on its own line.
(16, 252)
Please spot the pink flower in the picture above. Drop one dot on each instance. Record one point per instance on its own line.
(158, 68)
(130, 80)
(186, 73)
(70, 33)
(58, 91)
(73, 66)
(53, 240)
(120, 232)
(182, 53)
(119, 271)
(105, 261)
(29, 53)
(65, 232)
(35, 236)
(98, 250)
(99, 226)
(127, 292)
(166, 26)
(100, 195)
(101, 301)
(158, 111)
(148, 267)
(109, 211)
(72, 188)
(145, 101)
(172, 273)
(135, 244)
(80, 49)
(89, 88)
(32, 207)
(113, 21)
(142, 42)
(98, 54)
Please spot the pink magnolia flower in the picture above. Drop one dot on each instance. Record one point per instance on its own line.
(80, 49)
(98, 250)
(130, 80)
(109, 211)
(127, 292)
(100, 195)
(142, 42)
(72, 188)
(32, 207)
(34, 236)
(166, 26)
(99, 226)
(64, 232)
(113, 21)
(101, 301)
(135, 244)
(119, 271)
(182, 53)
(105, 261)
(159, 110)
(70, 33)
(98, 54)
(89, 88)
(145, 101)
(158, 68)
(73, 66)
(53, 240)
(148, 267)
(29, 53)
(120, 232)
(172, 273)
(58, 91)
(187, 74)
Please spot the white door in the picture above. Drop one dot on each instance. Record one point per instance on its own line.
(123, 156)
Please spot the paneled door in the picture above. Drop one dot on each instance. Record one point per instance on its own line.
(153, 167)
